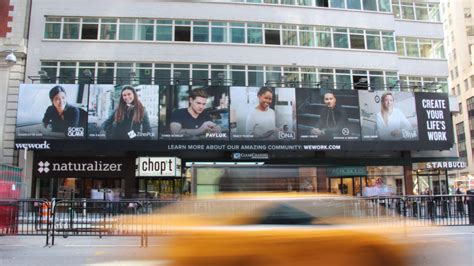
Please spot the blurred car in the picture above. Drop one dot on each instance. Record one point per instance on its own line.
(273, 229)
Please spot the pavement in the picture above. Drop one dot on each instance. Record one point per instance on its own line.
(450, 245)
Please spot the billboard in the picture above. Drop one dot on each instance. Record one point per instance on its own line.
(262, 113)
(388, 116)
(123, 112)
(328, 114)
(51, 111)
(194, 112)
(235, 119)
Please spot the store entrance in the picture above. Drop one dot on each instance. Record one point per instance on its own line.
(351, 186)
(158, 188)
(70, 188)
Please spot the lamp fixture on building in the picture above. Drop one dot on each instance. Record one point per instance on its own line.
(11, 57)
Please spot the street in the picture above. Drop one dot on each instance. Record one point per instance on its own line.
(439, 246)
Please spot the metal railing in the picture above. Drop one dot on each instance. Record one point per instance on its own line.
(85, 217)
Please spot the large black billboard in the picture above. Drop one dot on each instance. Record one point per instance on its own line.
(206, 118)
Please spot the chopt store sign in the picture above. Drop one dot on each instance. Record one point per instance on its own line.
(434, 117)
(158, 166)
(82, 167)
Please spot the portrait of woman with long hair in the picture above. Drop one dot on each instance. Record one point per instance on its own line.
(130, 119)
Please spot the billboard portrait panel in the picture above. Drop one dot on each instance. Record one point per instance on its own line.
(51, 111)
(194, 112)
(263, 113)
(328, 114)
(122, 112)
(388, 116)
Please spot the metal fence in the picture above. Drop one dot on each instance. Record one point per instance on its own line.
(85, 217)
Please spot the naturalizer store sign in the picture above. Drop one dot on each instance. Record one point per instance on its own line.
(83, 167)
(158, 166)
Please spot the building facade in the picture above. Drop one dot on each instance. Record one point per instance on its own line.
(459, 39)
(325, 45)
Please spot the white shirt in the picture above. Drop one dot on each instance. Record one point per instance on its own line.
(260, 122)
(396, 121)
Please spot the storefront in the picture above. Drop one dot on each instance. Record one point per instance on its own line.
(86, 177)
(432, 177)
(159, 178)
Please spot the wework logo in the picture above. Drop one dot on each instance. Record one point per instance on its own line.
(33, 146)
(43, 167)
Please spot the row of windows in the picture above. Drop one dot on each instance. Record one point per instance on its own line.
(68, 28)
(239, 75)
(421, 48)
(416, 11)
(368, 5)
(426, 83)
(401, 9)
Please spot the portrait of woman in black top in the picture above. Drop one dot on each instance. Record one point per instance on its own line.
(130, 119)
(60, 116)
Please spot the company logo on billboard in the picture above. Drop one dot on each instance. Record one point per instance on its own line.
(75, 132)
(286, 135)
(409, 134)
(33, 146)
(252, 156)
(216, 135)
(132, 134)
(43, 167)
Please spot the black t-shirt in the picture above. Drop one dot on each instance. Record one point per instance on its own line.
(183, 117)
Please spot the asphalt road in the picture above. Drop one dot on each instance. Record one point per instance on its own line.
(440, 246)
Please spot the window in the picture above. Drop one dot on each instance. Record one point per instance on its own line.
(90, 29)
(127, 29)
(237, 32)
(401, 47)
(472, 81)
(254, 33)
(162, 74)
(237, 75)
(357, 39)
(438, 49)
(407, 11)
(219, 32)
(182, 31)
(396, 9)
(458, 89)
(426, 48)
(306, 36)
(273, 74)
(456, 72)
(466, 85)
(255, 76)
(52, 28)
(145, 29)
(354, 4)
(421, 11)
(164, 30)
(338, 4)
(71, 28)
(388, 41)
(51, 69)
(370, 5)
(272, 34)
(343, 79)
(411, 46)
(373, 40)
(384, 5)
(108, 29)
(341, 39)
(290, 35)
(323, 36)
(200, 31)
(322, 3)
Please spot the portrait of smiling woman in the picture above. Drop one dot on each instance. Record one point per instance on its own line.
(60, 115)
(130, 119)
